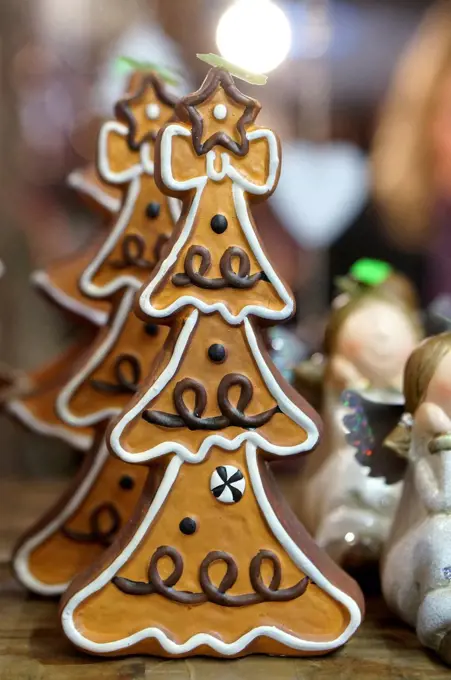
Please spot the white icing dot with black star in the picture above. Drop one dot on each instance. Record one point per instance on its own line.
(227, 484)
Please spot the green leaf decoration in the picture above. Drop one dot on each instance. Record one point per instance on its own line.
(370, 272)
(233, 69)
(128, 63)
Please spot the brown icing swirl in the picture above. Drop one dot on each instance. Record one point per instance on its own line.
(273, 592)
(229, 278)
(123, 385)
(235, 414)
(211, 593)
(97, 534)
(133, 248)
(230, 415)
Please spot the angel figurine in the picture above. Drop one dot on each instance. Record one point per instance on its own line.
(416, 566)
(351, 491)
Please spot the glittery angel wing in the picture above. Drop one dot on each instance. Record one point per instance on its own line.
(367, 423)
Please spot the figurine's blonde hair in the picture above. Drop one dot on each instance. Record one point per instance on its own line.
(418, 373)
(396, 290)
(402, 159)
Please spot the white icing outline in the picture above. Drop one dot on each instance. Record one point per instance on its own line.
(21, 558)
(220, 112)
(132, 176)
(86, 279)
(240, 185)
(41, 280)
(109, 175)
(201, 639)
(82, 442)
(76, 180)
(175, 208)
(285, 404)
(62, 404)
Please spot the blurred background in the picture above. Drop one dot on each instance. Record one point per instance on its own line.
(359, 92)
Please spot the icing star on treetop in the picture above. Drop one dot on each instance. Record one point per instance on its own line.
(144, 110)
(219, 114)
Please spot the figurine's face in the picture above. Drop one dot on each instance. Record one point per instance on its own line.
(439, 389)
(377, 338)
(441, 139)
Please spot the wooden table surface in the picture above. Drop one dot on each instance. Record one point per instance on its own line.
(32, 646)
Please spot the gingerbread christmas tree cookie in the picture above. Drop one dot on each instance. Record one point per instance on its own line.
(147, 104)
(213, 562)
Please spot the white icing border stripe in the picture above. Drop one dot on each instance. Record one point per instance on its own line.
(87, 286)
(41, 280)
(76, 180)
(105, 171)
(63, 401)
(296, 554)
(82, 442)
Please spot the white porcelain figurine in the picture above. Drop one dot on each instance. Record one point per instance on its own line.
(416, 567)
(350, 490)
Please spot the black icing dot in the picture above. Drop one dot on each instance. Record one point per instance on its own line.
(217, 353)
(126, 482)
(188, 526)
(219, 224)
(153, 210)
(151, 329)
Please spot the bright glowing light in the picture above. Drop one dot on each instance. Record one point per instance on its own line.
(254, 34)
